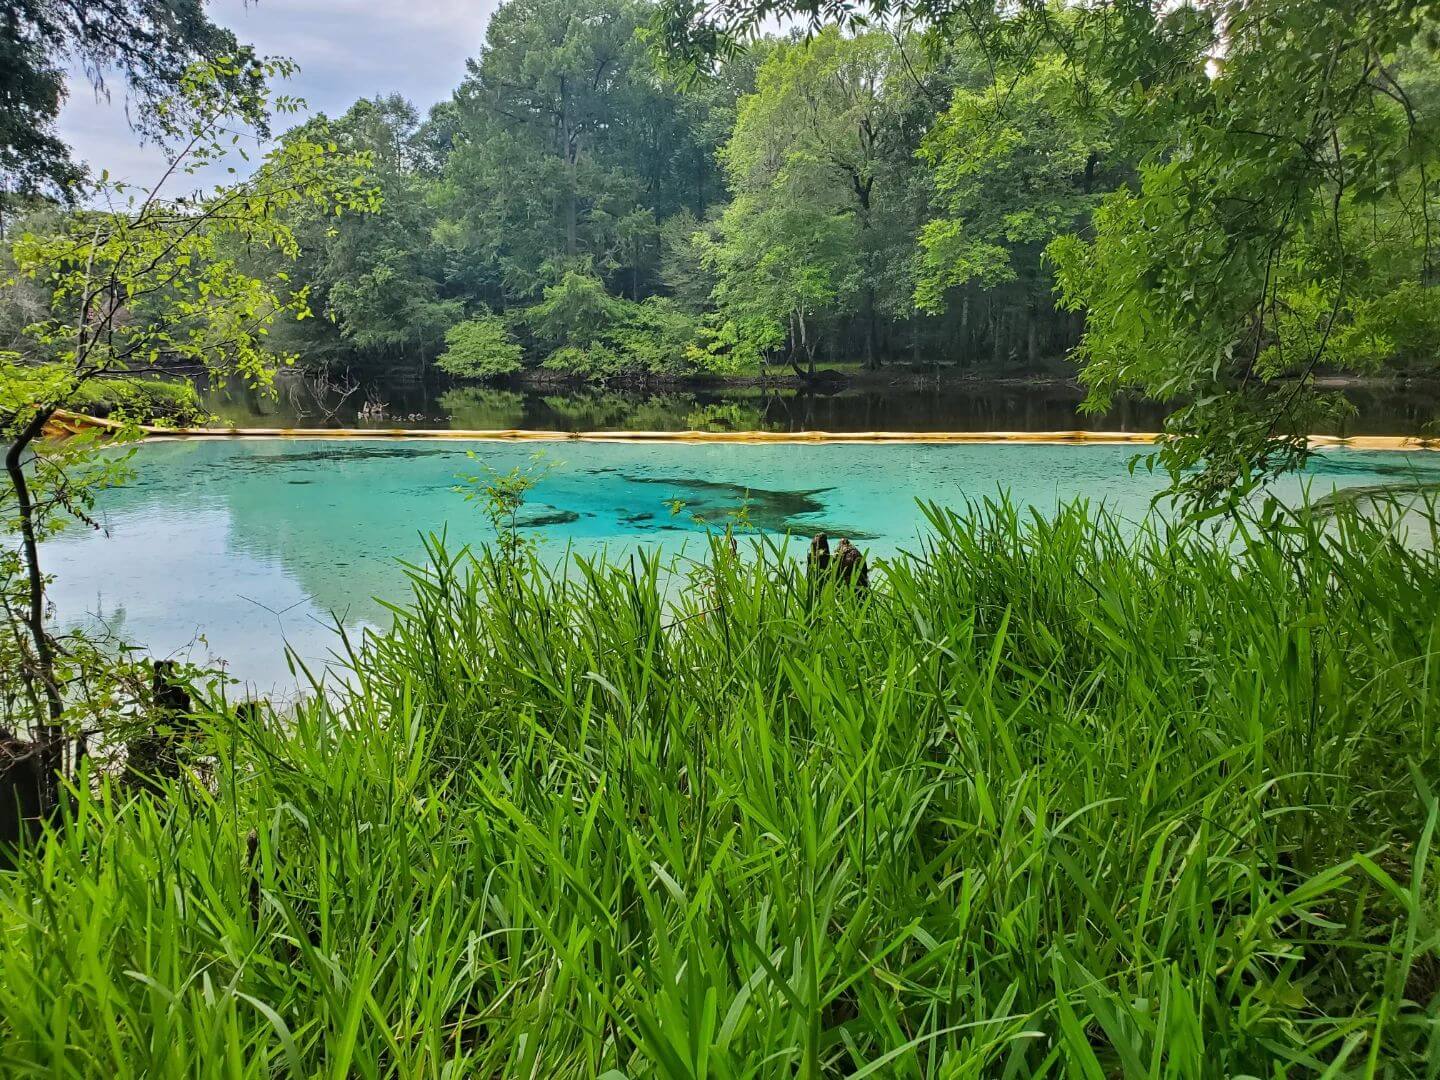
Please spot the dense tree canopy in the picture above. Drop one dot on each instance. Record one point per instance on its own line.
(792, 208)
(788, 208)
(1210, 204)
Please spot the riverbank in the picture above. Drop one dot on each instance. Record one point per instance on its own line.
(66, 424)
(1057, 375)
(978, 405)
(831, 378)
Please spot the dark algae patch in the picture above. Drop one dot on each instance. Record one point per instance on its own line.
(542, 517)
(770, 510)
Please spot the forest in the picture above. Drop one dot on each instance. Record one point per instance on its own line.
(865, 198)
(578, 210)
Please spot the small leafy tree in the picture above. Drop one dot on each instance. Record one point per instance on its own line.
(480, 348)
(501, 497)
(148, 283)
(595, 335)
(656, 337)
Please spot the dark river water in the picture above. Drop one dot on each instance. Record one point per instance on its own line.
(969, 406)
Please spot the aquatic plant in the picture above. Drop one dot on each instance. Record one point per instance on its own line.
(1051, 797)
(501, 497)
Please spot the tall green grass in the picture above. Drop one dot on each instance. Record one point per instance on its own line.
(1055, 799)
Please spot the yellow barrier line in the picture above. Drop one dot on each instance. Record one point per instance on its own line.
(70, 423)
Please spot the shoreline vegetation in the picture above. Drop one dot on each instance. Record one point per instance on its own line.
(716, 404)
(832, 379)
(1048, 794)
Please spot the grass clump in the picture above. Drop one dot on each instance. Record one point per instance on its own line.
(1053, 798)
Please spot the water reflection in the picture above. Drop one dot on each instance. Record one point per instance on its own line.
(233, 547)
(904, 406)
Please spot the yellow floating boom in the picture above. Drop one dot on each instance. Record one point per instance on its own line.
(67, 423)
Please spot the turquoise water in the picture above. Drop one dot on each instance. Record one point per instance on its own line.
(226, 549)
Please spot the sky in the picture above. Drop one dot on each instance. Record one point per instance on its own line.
(346, 49)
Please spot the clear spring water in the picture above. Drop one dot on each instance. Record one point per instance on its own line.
(230, 549)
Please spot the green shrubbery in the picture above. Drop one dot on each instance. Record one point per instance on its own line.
(142, 398)
(579, 329)
(145, 400)
(1051, 798)
(596, 336)
(480, 348)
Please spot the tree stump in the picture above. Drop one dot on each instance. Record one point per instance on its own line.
(153, 757)
(819, 555)
(22, 794)
(850, 565)
(846, 563)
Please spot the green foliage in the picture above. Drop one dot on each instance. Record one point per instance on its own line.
(566, 151)
(569, 145)
(779, 266)
(657, 338)
(1292, 235)
(149, 401)
(480, 348)
(501, 497)
(1052, 796)
(378, 278)
(1015, 164)
(831, 128)
(598, 336)
(144, 400)
(153, 281)
(1283, 220)
(576, 312)
(148, 44)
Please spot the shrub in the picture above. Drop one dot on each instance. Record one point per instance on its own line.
(480, 348)
(597, 336)
(656, 338)
(146, 400)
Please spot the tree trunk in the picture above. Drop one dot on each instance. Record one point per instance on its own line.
(800, 342)
(868, 313)
(965, 342)
(572, 226)
(51, 750)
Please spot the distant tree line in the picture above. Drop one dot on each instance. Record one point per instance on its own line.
(842, 198)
